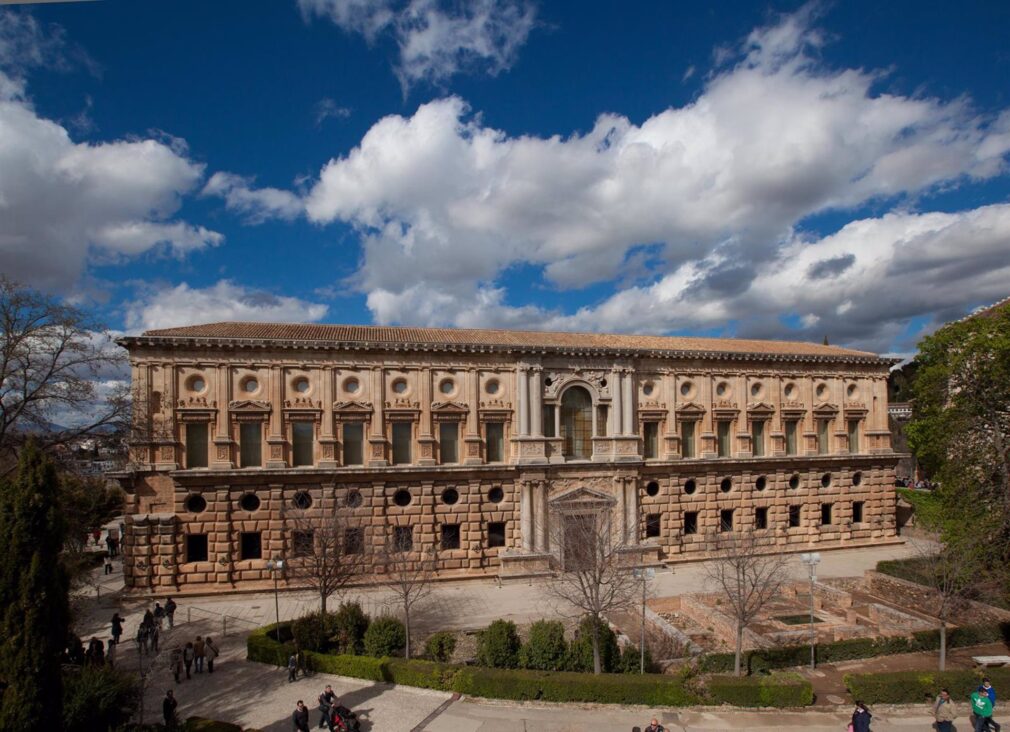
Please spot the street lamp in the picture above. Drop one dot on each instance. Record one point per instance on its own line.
(276, 566)
(645, 574)
(812, 559)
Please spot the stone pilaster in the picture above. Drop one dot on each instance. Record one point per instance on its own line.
(377, 443)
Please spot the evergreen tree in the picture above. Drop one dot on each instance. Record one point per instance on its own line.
(34, 614)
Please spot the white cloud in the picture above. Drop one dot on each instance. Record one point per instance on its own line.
(327, 108)
(436, 39)
(256, 204)
(169, 307)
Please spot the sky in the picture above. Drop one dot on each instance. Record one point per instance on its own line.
(764, 170)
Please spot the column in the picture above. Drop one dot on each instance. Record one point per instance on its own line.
(616, 421)
(327, 438)
(536, 402)
(543, 537)
(377, 426)
(526, 515)
(522, 381)
(473, 399)
(275, 436)
(628, 403)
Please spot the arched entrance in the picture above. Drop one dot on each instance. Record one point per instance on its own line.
(577, 423)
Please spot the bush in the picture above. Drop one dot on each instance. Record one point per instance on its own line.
(631, 660)
(348, 626)
(546, 648)
(261, 645)
(312, 632)
(385, 636)
(498, 645)
(912, 687)
(580, 653)
(778, 690)
(426, 674)
(98, 698)
(440, 646)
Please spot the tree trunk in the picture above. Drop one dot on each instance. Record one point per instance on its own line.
(406, 628)
(739, 649)
(943, 644)
(597, 666)
(322, 602)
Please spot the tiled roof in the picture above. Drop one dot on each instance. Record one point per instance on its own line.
(393, 336)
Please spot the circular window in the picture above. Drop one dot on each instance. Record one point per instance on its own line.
(857, 478)
(822, 391)
(690, 486)
(301, 385)
(652, 488)
(496, 495)
(249, 502)
(790, 390)
(450, 496)
(794, 482)
(685, 388)
(400, 386)
(825, 480)
(726, 485)
(302, 500)
(548, 381)
(760, 483)
(351, 386)
(197, 384)
(603, 383)
(492, 387)
(353, 499)
(196, 503)
(250, 385)
(722, 389)
(852, 390)
(648, 389)
(402, 497)
(755, 390)
(447, 387)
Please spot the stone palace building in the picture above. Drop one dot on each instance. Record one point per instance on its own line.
(474, 446)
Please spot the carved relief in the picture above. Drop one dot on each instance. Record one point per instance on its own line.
(302, 403)
(196, 402)
(560, 379)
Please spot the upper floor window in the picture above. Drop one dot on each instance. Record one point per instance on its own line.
(448, 442)
(651, 438)
(197, 435)
(853, 429)
(250, 444)
(354, 453)
(823, 444)
(792, 427)
(577, 423)
(402, 435)
(687, 439)
(494, 435)
(757, 437)
(724, 430)
(602, 413)
(302, 434)
(549, 420)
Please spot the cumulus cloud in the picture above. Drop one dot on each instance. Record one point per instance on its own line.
(255, 204)
(169, 307)
(436, 39)
(63, 203)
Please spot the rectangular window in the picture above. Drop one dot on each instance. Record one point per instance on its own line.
(687, 439)
(652, 524)
(650, 432)
(196, 547)
(250, 435)
(302, 543)
(822, 436)
(196, 445)
(602, 413)
(757, 438)
(301, 443)
(794, 516)
(723, 430)
(354, 438)
(726, 519)
(251, 545)
(402, 434)
(857, 512)
(354, 541)
(792, 425)
(495, 534)
(761, 517)
(853, 430)
(690, 522)
(450, 536)
(825, 514)
(549, 421)
(403, 538)
(448, 441)
(494, 432)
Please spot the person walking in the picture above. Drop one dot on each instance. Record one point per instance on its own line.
(142, 638)
(861, 718)
(326, 700)
(300, 717)
(981, 707)
(97, 535)
(187, 658)
(168, 709)
(212, 652)
(199, 651)
(110, 544)
(655, 726)
(155, 635)
(148, 618)
(944, 712)
(159, 614)
(117, 628)
(108, 564)
(175, 663)
(987, 686)
(170, 612)
(292, 668)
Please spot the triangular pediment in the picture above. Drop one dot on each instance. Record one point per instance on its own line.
(691, 408)
(582, 496)
(448, 408)
(761, 408)
(825, 409)
(355, 407)
(249, 405)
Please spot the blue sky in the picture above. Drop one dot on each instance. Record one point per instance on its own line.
(781, 170)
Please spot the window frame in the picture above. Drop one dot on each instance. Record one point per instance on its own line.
(443, 427)
(244, 444)
(401, 434)
(498, 442)
(360, 442)
(206, 547)
(194, 447)
(496, 539)
(447, 531)
(299, 446)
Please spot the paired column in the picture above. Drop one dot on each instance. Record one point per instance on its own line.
(536, 402)
(526, 515)
(522, 384)
(616, 426)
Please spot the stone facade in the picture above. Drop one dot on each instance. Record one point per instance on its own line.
(496, 434)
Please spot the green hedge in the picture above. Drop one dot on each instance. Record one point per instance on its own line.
(856, 648)
(778, 690)
(912, 687)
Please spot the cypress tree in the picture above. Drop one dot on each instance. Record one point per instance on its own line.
(34, 614)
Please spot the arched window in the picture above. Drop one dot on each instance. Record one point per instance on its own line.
(577, 423)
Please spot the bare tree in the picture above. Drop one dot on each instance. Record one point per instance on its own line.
(745, 578)
(409, 575)
(593, 575)
(326, 552)
(61, 375)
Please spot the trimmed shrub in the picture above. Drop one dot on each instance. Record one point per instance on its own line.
(440, 646)
(580, 653)
(631, 660)
(913, 687)
(261, 646)
(426, 674)
(498, 645)
(311, 632)
(348, 628)
(546, 648)
(385, 636)
(98, 698)
(778, 690)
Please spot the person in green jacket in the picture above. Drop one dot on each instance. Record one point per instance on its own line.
(981, 707)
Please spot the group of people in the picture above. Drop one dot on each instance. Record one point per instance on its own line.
(983, 699)
(193, 657)
(332, 714)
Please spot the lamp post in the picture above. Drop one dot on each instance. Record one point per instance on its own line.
(812, 559)
(276, 566)
(645, 574)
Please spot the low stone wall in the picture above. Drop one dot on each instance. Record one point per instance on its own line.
(924, 599)
(723, 625)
